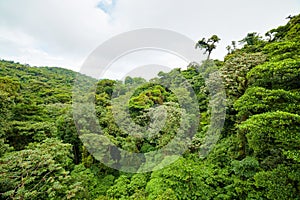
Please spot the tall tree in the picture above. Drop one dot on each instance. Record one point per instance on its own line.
(208, 44)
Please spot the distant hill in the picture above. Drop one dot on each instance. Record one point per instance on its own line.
(42, 84)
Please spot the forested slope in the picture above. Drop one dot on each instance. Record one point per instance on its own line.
(257, 155)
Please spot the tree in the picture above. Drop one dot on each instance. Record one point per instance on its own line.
(38, 172)
(8, 92)
(271, 134)
(279, 183)
(185, 179)
(251, 39)
(258, 100)
(234, 72)
(283, 74)
(67, 132)
(208, 44)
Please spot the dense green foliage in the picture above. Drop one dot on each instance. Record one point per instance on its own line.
(257, 155)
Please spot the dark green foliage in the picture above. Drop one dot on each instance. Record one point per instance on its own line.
(38, 172)
(208, 44)
(245, 168)
(67, 132)
(21, 133)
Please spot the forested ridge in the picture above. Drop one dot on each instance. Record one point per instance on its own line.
(256, 157)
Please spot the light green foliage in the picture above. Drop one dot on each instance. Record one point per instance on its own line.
(270, 133)
(105, 86)
(4, 148)
(259, 100)
(148, 97)
(279, 183)
(8, 93)
(184, 179)
(129, 188)
(120, 190)
(282, 50)
(234, 72)
(284, 74)
(289, 31)
(93, 185)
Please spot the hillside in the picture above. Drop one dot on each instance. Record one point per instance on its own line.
(45, 154)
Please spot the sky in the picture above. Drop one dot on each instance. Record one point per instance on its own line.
(63, 33)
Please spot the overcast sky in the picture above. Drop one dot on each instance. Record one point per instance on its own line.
(64, 32)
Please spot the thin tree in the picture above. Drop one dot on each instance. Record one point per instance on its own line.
(208, 44)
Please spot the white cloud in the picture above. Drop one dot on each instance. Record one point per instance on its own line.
(230, 19)
(68, 28)
(64, 32)
(144, 63)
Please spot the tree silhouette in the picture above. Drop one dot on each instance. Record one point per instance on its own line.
(208, 44)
